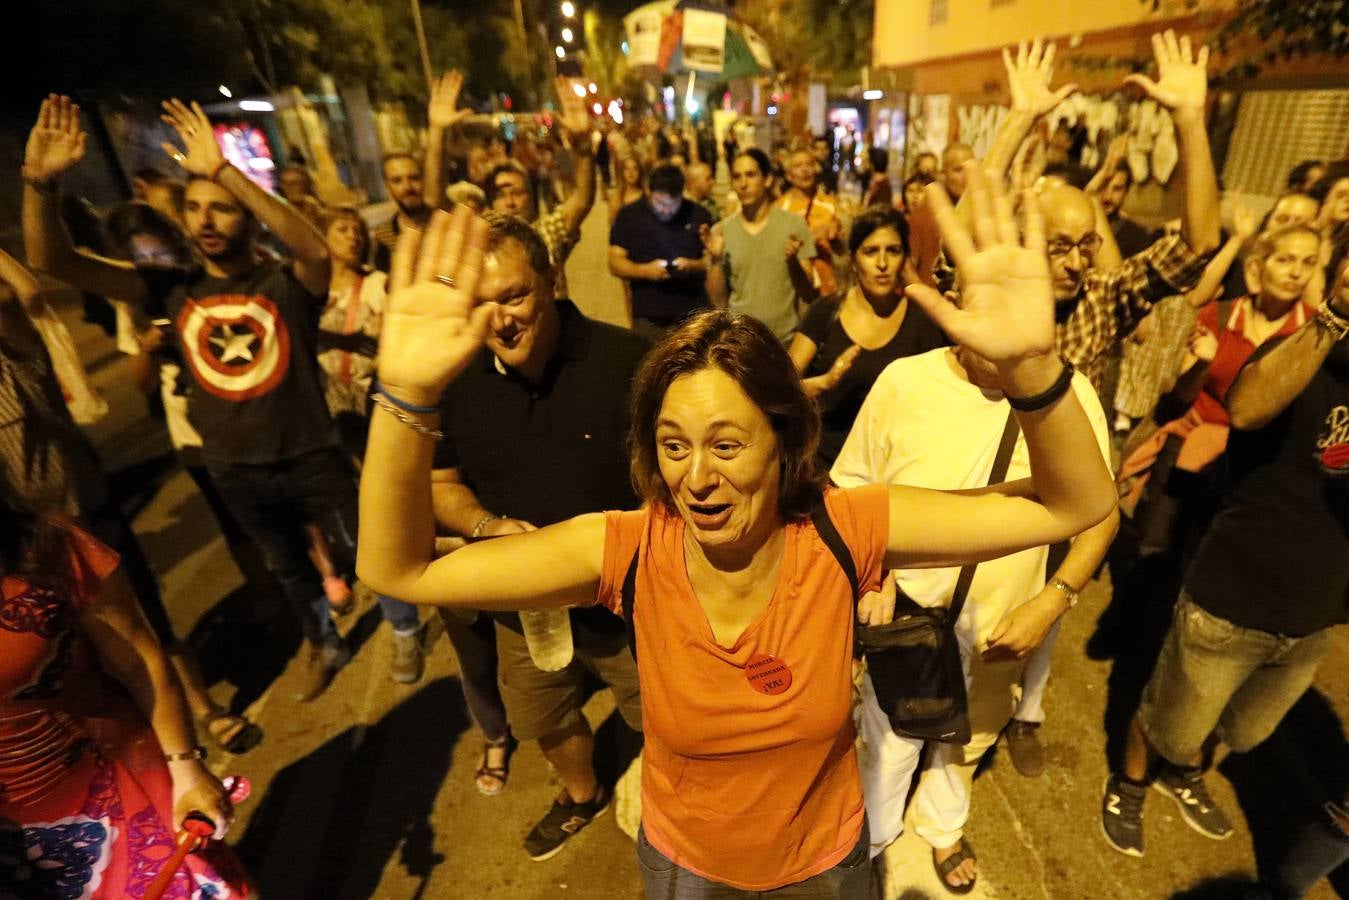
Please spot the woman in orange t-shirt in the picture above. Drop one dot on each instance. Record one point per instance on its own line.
(742, 616)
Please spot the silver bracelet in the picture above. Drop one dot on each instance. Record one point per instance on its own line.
(1331, 321)
(383, 403)
(482, 523)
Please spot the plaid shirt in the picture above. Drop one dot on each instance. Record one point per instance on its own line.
(552, 227)
(1111, 304)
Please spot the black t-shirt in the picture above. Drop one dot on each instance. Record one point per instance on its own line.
(546, 452)
(1131, 237)
(839, 407)
(249, 344)
(637, 230)
(1276, 557)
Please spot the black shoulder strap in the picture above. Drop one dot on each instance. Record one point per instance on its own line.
(824, 526)
(629, 599)
(999, 474)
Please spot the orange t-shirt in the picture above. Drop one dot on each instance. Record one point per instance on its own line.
(751, 789)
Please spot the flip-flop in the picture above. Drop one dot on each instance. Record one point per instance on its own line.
(947, 866)
(247, 735)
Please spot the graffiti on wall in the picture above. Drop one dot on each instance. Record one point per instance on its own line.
(977, 124)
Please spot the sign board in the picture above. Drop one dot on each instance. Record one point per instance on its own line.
(704, 40)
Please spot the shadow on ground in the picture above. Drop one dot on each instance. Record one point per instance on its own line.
(330, 822)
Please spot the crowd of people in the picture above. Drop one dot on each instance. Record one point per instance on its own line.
(823, 418)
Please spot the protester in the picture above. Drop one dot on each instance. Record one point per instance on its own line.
(656, 246)
(97, 779)
(257, 398)
(804, 196)
(846, 340)
(728, 490)
(953, 161)
(534, 435)
(406, 186)
(629, 184)
(925, 163)
(822, 149)
(442, 115)
(698, 183)
(160, 191)
(911, 194)
(1233, 662)
(297, 188)
(759, 258)
(939, 418)
(1305, 174)
(1111, 185)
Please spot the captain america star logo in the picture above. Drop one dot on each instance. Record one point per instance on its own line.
(237, 346)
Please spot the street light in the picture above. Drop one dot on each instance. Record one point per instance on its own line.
(568, 9)
(560, 52)
(592, 87)
(567, 35)
(578, 90)
(226, 91)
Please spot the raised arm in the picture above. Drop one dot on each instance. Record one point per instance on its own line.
(1114, 155)
(433, 327)
(24, 283)
(1006, 317)
(575, 120)
(442, 114)
(1216, 269)
(201, 158)
(55, 146)
(1028, 78)
(1182, 88)
(718, 290)
(1273, 379)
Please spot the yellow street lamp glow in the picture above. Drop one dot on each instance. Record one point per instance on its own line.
(592, 87)
(560, 52)
(568, 9)
(567, 35)
(578, 90)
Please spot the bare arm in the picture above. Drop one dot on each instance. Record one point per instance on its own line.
(1114, 155)
(575, 121)
(24, 283)
(442, 114)
(1273, 380)
(1182, 88)
(718, 291)
(203, 159)
(801, 280)
(129, 650)
(55, 146)
(623, 267)
(1028, 78)
(1007, 318)
(1108, 257)
(1203, 292)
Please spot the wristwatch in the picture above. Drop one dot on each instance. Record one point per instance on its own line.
(1068, 591)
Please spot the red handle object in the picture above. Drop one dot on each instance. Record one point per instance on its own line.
(197, 830)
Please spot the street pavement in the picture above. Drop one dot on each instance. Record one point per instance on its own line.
(368, 792)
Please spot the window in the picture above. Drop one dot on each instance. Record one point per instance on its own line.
(1276, 130)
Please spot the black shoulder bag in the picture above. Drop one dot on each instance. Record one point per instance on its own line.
(914, 661)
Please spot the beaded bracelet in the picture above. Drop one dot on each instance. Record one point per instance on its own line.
(384, 402)
(1331, 321)
(196, 753)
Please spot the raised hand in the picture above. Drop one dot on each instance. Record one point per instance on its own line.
(573, 115)
(1006, 310)
(443, 111)
(1244, 221)
(433, 323)
(56, 144)
(792, 247)
(1182, 75)
(1028, 78)
(1203, 344)
(714, 239)
(200, 155)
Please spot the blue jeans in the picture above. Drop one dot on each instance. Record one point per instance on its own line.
(664, 880)
(273, 501)
(1320, 848)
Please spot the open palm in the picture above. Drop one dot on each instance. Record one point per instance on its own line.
(1006, 309)
(573, 115)
(57, 143)
(1182, 75)
(433, 325)
(1028, 78)
(443, 112)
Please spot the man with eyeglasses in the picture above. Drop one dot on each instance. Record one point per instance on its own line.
(1094, 308)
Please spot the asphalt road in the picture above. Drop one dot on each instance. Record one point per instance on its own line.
(368, 792)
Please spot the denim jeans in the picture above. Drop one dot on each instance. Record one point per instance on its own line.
(1215, 675)
(664, 880)
(272, 502)
(1321, 847)
(475, 644)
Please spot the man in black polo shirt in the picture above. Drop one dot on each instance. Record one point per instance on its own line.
(535, 433)
(655, 245)
(1268, 583)
(247, 331)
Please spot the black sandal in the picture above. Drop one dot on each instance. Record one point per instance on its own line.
(500, 773)
(951, 863)
(245, 738)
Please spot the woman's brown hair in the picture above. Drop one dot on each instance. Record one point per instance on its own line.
(747, 351)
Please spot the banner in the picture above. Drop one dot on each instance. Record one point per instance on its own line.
(704, 40)
(643, 28)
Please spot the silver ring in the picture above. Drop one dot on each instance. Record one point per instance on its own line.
(178, 157)
(447, 280)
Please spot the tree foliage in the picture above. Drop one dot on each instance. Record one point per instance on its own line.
(813, 39)
(1261, 33)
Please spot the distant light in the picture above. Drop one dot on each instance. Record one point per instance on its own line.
(592, 87)
(567, 35)
(616, 111)
(872, 95)
(560, 52)
(624, 47)
(226, 91)
(691, 106)
(578, 90)
(568, 9)
(772, 110)
(255, 106)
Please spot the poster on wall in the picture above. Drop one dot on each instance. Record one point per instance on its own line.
(704, 40)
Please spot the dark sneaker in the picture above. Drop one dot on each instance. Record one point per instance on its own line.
(565, 819)
(408, 660)
(1122, 815)
(321, 663)
(1187, 788)
(1023, 745)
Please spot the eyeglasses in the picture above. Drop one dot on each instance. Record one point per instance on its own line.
(1088, 246)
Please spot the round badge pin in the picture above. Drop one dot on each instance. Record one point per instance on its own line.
(768, 674)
